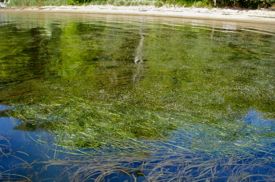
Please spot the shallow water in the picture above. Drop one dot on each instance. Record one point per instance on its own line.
(108, 98)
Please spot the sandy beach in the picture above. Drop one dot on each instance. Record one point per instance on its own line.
(260, 16)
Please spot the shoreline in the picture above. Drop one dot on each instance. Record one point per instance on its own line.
(257, 16)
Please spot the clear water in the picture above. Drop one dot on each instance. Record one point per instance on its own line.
(113, 98)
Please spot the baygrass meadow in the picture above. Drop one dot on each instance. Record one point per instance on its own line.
(87, 98)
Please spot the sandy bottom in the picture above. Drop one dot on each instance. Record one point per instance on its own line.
(180, 12)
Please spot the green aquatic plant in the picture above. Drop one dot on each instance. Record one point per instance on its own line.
(76, 122)
(67, 78)
(193, 108)
(187, 166)
(81, 123)
(4, 146)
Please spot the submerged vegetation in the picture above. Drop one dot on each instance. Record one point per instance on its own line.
(98, 98)
(79, 123)
(198, 3)
(69, 80)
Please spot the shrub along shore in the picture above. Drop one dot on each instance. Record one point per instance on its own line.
(263, 17)
(249, 4)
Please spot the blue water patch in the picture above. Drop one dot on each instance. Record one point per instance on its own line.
(4, 108)
(256, 119)
(33, 155)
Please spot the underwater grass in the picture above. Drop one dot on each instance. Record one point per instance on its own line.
(118, 137)
(80, 123)
(164, 162)
(4, 146)
(196, 151)
(90, 93)
(168, 160)
(178, 113)
(7, 152)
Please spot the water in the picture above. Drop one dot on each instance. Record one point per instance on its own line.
(113, 98)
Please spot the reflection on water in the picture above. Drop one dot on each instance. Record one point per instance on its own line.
(3, 108)
(256, 119)
(182, 157)
(134, 99)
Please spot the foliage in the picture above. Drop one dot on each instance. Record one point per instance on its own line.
(253, 4)
(38, 2)
(197, 3)
(78, 2)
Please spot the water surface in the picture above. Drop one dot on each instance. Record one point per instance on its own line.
(108, 98)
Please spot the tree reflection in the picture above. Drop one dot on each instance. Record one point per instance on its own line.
(89, 83)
